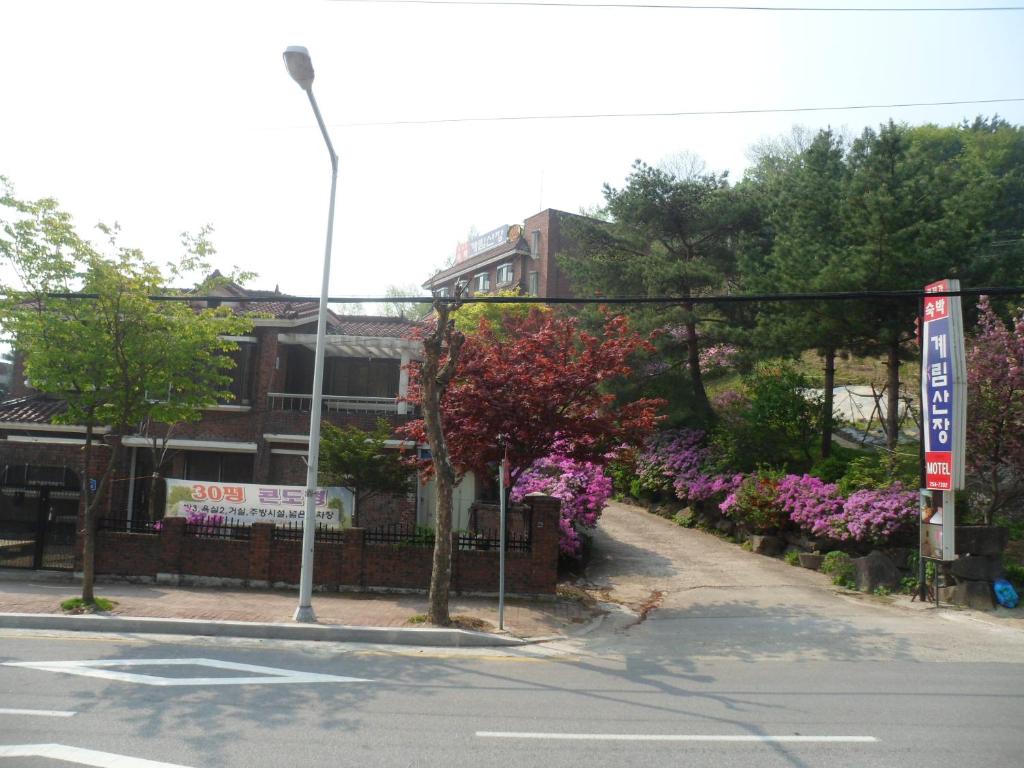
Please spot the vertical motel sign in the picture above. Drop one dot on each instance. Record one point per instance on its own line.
(944, 401)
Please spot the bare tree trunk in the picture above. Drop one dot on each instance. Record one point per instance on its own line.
(154, 478)
(434, 379)
(829, 404)
(892, 412)
(89, 517)
(700, 395)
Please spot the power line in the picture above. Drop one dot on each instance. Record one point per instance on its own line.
(691, 7)
(689, 113)
(901, 295)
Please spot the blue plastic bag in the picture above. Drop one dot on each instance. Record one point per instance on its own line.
(1005, 593)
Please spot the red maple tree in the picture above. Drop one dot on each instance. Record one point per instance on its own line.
(535, 381)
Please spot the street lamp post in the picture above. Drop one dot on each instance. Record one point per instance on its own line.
(300, 67)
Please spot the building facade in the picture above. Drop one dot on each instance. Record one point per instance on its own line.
(260, 436)
(512, 257)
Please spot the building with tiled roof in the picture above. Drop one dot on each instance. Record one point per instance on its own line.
(512, 257)
(258, 436)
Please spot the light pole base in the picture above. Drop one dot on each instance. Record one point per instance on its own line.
(305, 614)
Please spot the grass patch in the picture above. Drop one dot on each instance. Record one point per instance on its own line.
(840, 568)
(581, 596)
(419, 618)
(77, 605)
(472, 623)
(792, 557)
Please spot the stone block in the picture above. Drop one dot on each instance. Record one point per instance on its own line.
(977, 568)
(875, 570)
(900, 556)
(971, 594)
(981, 539)
(811, 560)
(767, 545)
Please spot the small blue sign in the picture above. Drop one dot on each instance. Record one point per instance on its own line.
(93, 485)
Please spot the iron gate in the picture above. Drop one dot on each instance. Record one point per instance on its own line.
(38, 517)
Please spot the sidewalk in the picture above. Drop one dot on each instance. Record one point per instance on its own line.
(37, 593)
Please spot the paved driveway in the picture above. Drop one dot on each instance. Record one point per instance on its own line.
(686, 592)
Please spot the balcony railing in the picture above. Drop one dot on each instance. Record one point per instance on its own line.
(279, 401)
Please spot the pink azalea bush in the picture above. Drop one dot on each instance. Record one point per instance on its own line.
(582, 487)
(718, 357)
(679, 460)
(877, 514)
(873, 515)
(815, 506)
(755, 502)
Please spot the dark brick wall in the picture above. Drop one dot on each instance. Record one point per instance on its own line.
(352, 563)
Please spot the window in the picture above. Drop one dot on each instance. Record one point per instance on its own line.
(218, 467)
(505, 274)
(482, 282)
(241, 374)
(533, 284)
(535, 243)
(461, 286)
(362, 377)
(444, 292)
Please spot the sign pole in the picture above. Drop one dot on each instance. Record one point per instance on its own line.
(502, 470)
(922, 587)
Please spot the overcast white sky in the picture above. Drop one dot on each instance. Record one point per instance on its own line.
(167, 116)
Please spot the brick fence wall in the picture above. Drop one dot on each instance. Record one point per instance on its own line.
(263, 561)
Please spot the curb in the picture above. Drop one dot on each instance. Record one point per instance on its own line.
(333, 633)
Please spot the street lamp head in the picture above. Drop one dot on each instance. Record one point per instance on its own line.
(300, 66)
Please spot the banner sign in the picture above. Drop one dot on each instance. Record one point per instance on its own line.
(481, 243)
(245, 504)
(943, 388)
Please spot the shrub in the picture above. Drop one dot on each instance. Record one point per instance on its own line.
(813, 505)
(778, 422)
(582, 487)
(686, 518)
(878, 515)
(839, 566)
(792, 557)
(755, 503)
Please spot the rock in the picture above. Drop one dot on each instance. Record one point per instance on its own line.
(725, 526)
(972, 594)
(875, 570)
(766, 545)
(900, 556)
(811, 560)
(977, 568)
(981, 539)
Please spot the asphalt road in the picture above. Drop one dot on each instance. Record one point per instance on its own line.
(458, 708)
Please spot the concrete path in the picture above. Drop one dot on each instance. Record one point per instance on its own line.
(687, 592)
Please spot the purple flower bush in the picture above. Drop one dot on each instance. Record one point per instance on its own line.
(718, 357)
(755, 502)
(815, 506)
(872, 515)
(876, 515)
(582, 487)
(678, 460)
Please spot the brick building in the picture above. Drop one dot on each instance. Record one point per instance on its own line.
(517, 256)
(259, 436)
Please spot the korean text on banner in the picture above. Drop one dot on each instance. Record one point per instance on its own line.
(244, 504)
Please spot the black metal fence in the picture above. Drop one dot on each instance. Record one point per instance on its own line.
(124, 525)
(223, 531)
(514, 542)
(293, 532)
(399, 533)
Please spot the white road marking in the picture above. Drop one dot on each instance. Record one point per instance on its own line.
(268, 675)
(37, 712)
(673, 737)
(81, 756)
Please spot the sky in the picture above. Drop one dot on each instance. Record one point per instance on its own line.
(166, 116)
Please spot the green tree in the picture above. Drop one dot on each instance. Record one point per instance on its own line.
(117, 358)
(667, 237)
(362, 461)
(401, 306)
